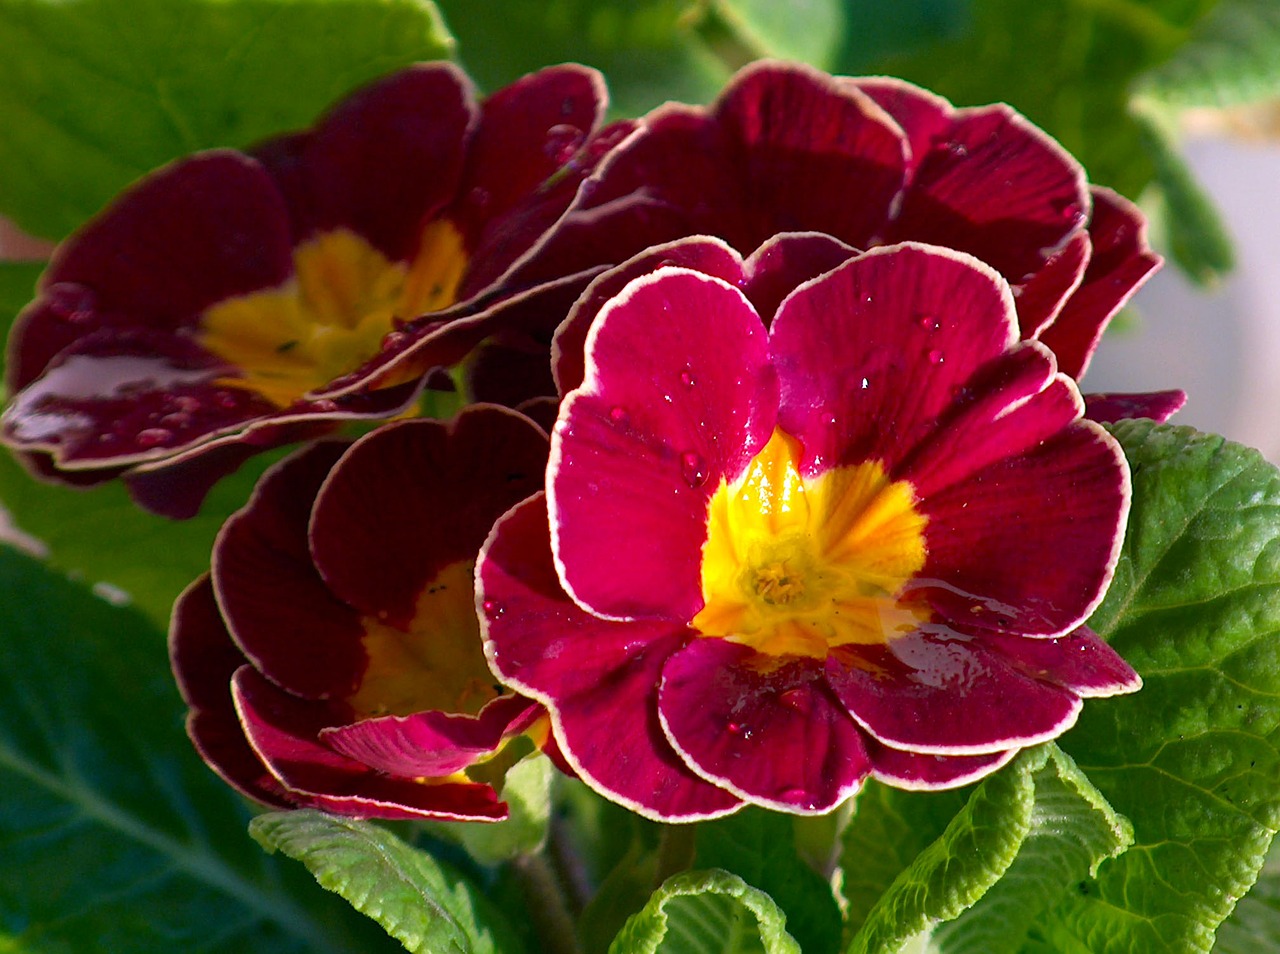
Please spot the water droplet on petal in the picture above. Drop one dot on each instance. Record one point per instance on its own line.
(928, 323)
(185, 404)
(796, 796)
(324, 405)
(936, 357)
(154, 437)
(176, 419)
(491, 608)
(226, 400)
(1067, 208)
(618, 414)
(796, 699)
(865, 384)
(957, 149)
(70, 301)
(686, 378)
(562, 142)
(694, 469)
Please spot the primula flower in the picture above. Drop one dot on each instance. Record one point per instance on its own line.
(771, 563)
(873, 161)
(332, 657)
(229, 301)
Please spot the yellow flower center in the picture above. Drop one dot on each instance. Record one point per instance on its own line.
(797, 566)
(331, 317)
(438, 663)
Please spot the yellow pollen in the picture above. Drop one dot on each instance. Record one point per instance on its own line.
(795, 565)
(331, 317)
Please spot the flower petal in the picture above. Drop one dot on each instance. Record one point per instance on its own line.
(1157, 405)
(944, 694)
(919, 772)
(276, 606)
(766, 730)
(415, 496)
(597, 678)
(869, 354)
(678, 396)
(785, 261)
(1081, 662)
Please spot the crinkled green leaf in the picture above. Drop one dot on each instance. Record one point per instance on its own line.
(526, 789)
(650, 50)
(1192, 759)
(1231, 57)
(760, 847)
(114, 836)
(418, 900)
(1073, 830)
(706, 912)
(1254, 925)
(93, 93)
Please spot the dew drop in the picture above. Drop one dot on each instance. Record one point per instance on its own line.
(562, 142)
(70, 301)
(1067, 208)
(928, 323)
(226, 400)
(185, 404)
(957, 149)
(324, 405)
(618, 414)
(694, 468)
(936, 357)
(394, 339)
(491, 608)
(176, 420)
(796, 796)
(865, 384)
(796, 699)
(154, 436)
(686, 378)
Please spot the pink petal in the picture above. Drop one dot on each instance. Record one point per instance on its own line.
(1081, 662)
(678, 395)
(919, 772)
(1157, 405)
(766, 729)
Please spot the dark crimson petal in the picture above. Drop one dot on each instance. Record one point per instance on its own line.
(598, 679)
(920, 772)
(527, 132)
(431, 744)
(678, 396)
(766, 729)
(1012, 406)
(871, 353)
(1040, 300)
(701, 253)
(944, 694)
(1157, 405)
(1059, 508)
(204, 659)
(276, 606)
(509, 369)
(384, 161)
(1081, 662)
(923, 116)
(787, 260)
(193, 233)
(995, 186)
(413, 497)
(283, 731)
(1121, 262)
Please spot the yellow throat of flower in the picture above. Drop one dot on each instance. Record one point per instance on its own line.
(331, 317)
(797, 566)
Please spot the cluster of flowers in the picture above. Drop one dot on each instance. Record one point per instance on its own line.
(820, 499)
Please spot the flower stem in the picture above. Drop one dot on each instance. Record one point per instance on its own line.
(545, 900)
(675, 851)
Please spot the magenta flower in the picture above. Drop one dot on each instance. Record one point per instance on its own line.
(332, 657)
(873, 161)
(231, 301)
(771, 563)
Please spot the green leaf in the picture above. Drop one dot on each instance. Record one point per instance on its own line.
(418, 900)
(760, 847)
(114, 836)
(1073, 830)
(93, 93)
(1232, 57)
(1192, 759)
(1194, 232)
(706, 912)
(807, 30)
(17, 287)
(526, 789)
(650, 50)
(1255, 923)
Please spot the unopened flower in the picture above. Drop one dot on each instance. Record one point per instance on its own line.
(772, 562)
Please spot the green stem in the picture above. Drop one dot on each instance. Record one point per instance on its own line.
(675, 851)
(545, 902)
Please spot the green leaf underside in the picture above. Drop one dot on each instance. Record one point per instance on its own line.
(760, 847)
(1232, 57)
(93, 93)
(114, 836)
(706, 912)
(418, 900)
(1018, 842)
(649, 49)
(526, 789)
(1192, 758)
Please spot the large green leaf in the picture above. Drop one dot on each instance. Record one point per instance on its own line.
(650, 50)
(1037, 822)
(1192, 759)
(93, 93)
(420, 901)
(114, 836)
(1254, 925)
(760, 847)
(706, 912)
(526, 788)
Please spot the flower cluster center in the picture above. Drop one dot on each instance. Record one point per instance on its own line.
(332, 316)
(797, 565)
